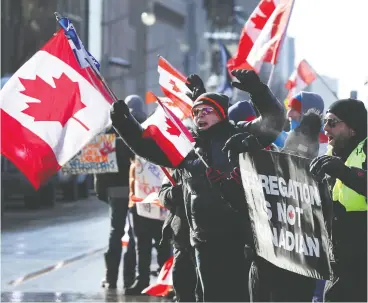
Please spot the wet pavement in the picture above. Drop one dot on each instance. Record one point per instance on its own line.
(108, 296)
(56, 255)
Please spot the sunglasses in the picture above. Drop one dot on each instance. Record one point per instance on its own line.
(204, 110)
(331, 122)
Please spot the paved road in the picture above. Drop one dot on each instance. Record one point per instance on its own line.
(35, 240)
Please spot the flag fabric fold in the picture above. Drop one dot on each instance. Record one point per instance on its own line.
(170, 134)
(172, 84)
(50, 109)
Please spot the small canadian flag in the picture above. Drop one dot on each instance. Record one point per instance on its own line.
(50, 109)
(302, 76)
(172, 84)
(170, 134)
(164, 281)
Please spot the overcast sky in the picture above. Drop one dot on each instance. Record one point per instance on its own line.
(332, 36)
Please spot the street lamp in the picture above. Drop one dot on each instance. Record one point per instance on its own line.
(148, 18)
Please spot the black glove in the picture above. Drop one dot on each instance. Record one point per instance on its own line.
(119, 110)
(195, 84)
(231, 189)
(240, 143)
(193, 163)
(332, 166)
(235, 176)
(248, 80)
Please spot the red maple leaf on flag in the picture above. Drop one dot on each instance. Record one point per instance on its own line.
(266, 9)
(175, 88)
(59, 103)
(172, 129)
(166, 268)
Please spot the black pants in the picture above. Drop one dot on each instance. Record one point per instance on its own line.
(350, 233)
(185, 279)
(269, 283)
(223, 271)
(147, 230)
(130, 259)
(118, 214)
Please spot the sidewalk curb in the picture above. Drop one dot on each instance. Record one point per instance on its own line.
(57, 266)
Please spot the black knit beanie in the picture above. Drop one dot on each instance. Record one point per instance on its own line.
(217, 101)
(353, 113)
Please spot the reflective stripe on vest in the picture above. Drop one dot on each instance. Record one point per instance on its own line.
(351, 200)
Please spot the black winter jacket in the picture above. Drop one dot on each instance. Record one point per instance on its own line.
(210, 217)
(176, 227)
(103, 181)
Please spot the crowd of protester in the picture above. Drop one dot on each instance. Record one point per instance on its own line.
(208, 224)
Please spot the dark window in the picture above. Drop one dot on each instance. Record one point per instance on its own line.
(169, 16)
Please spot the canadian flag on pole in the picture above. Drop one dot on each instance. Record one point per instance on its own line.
(164, 281)
(170, 134)
(262, 35)
(172, 83)
(50, 109)
(302, 76)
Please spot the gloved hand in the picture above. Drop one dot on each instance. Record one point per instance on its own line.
(240, 143)
(332, 166)
(231, 189)
(235, 176)
(118, 110)
(214, 175)
(193, 163)
(195, 84)
(249, 81)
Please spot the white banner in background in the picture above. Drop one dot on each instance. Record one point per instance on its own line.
(148, 180)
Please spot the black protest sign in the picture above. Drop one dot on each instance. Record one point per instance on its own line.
(285, 210)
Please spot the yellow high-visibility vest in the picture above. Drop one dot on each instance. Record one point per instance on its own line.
(350, 199)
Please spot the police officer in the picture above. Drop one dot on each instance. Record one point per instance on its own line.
(345, 167)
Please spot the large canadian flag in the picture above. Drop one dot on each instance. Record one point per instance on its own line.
(169, 133)
(50, 109)
(302, 76)
(172, 83)
(261, 37)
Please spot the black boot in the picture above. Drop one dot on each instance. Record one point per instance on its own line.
(136, 289)
(112, 270)
(130, 263)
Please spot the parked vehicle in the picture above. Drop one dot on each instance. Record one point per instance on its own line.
(15, 185)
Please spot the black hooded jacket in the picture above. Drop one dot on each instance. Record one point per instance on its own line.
(209, 216)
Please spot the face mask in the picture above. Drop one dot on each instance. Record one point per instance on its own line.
(294, 124)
